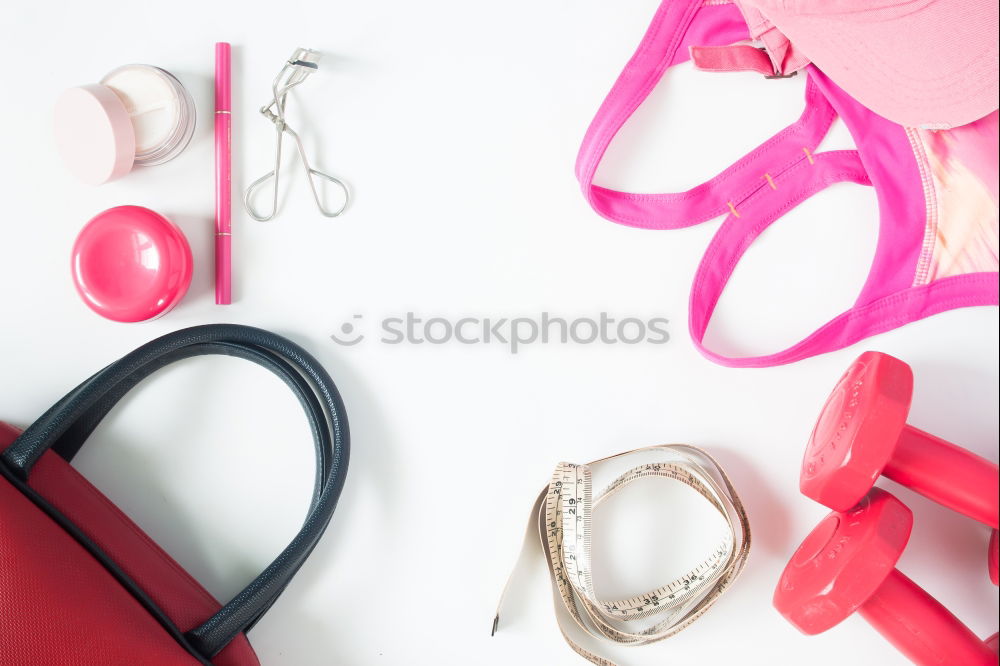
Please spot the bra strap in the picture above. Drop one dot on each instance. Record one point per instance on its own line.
(861, 321)
(677, 26)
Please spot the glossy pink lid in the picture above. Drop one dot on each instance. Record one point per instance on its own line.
(131, 264)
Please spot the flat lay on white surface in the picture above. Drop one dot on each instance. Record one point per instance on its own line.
(457, 125)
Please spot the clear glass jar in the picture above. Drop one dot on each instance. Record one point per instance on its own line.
(161, 109)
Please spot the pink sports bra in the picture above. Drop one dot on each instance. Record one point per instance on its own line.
(937, 192)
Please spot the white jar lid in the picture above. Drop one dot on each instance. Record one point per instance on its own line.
(94, 133)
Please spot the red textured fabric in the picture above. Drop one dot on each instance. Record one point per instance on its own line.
(59, 606)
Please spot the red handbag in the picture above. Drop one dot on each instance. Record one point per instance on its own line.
(80, 583)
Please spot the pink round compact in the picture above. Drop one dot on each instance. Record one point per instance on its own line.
(131, 264)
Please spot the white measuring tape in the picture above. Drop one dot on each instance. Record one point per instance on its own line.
(562, 518)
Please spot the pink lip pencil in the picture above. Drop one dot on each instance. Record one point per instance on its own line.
(223, 174)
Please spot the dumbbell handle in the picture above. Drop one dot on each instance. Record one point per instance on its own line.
(947, 474)
(921, 628)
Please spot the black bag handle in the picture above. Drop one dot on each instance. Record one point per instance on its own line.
(69, 422)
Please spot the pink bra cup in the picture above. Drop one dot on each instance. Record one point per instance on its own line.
(937, 192)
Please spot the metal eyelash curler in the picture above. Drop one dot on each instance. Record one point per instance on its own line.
(296, 70)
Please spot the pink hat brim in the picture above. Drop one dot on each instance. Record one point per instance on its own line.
(919, 63)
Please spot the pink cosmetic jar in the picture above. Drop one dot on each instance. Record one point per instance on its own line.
(131, 264)
(138, 115)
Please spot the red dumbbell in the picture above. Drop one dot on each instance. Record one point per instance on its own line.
(993, 560)
(862, 433)
(847, 564)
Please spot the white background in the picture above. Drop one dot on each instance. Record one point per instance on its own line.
(457, 124)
